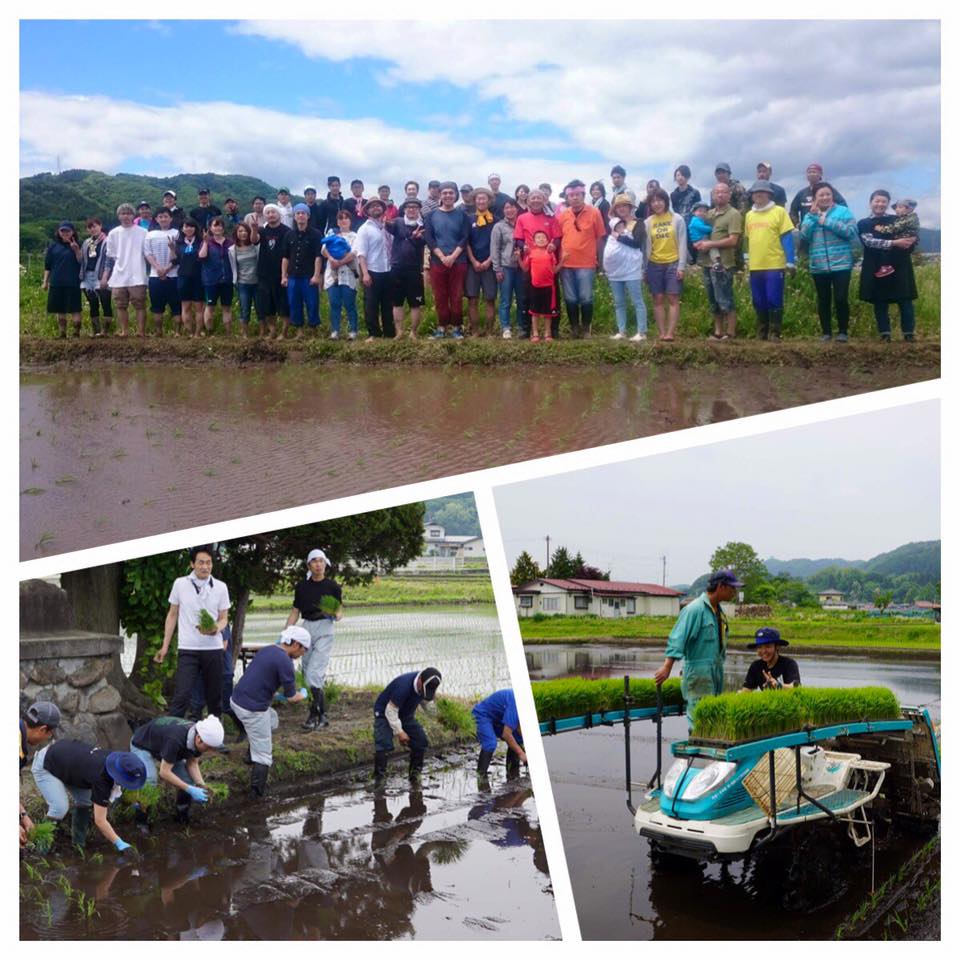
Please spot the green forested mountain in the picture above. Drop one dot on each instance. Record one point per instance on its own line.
(48, 198)
(456, 514)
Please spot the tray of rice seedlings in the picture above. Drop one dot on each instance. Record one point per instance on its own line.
(575, 696)
(735, 717)
(206, 619)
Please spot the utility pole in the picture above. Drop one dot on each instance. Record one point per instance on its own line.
(548, 553)
(664, 559)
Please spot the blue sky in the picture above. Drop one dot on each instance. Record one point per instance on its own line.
(291, 102)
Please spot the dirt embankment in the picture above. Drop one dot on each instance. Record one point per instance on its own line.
(866, 355)
(325, 756)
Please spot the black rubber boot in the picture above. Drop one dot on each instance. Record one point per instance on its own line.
(513, 765)
(776, 322)
(483, 762)
(586, 318)
(184, 802)
(416, 764)
(318, 699)
(80, 824)
(312, 721)
(258, 780)
(573, 315)
(763, 324)
(380, 764)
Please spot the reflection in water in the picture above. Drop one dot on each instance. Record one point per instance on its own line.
(113, 454)
(622, 891)
(433, 862)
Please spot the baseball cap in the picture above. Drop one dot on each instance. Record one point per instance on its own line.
(761, 186)
(466, 188)
(44, 713)
(301, 208)
(766, 164)
(725, 167)
(170, 193)
(202, 191)
(434, 183)
(66, 225)
(127, 769)
(727, 577)
(143, 203)
(430, 679)
(211, 731)
(296, 635)
(305, 189)
(283, 189)
(768, 635)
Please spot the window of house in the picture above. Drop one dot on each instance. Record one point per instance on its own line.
(551, 603)
(526, 600)
(581, 603)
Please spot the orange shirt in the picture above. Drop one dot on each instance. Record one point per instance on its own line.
(580, 233)
(541, 262)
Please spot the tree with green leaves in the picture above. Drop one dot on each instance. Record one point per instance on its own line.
(524, 570)
(882, 599)
(562, 565)
(743, 560)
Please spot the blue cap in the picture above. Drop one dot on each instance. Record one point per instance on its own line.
(726, 577)
(127, 769)
(769, 635)
(301, 208)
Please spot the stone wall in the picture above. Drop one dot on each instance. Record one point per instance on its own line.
(69, 667)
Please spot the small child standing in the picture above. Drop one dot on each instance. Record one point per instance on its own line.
(541, 264)
(906, 224)
(698, 229)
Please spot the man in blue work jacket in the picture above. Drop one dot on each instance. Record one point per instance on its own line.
(699, 638)
(394, 713)
(496, 719)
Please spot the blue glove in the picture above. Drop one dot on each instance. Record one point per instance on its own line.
(121, 845)
(280, 696)
(198, 873)
(303, 692)
(198, 794)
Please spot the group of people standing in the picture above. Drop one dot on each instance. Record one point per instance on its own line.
(517, 256)
(169, 748)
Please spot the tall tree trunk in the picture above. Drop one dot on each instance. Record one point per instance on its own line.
(239, 619)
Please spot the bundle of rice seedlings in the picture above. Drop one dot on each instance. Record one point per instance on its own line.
(42, 834)
(575, 696)
(732, 717)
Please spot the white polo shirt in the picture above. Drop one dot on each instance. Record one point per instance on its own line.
(191, 594)
(374, 243)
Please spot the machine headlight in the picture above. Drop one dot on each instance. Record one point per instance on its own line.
(673, 776)
(709, 778)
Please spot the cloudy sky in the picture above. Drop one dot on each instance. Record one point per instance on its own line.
(849, 488)
(292, 102)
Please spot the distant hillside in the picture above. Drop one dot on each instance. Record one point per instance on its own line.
(457, 515)
(921, 559)
(803, 568)
(48, 198)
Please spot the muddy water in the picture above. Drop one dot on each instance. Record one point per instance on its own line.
(110, 455)
(448, 861)
(621, 894)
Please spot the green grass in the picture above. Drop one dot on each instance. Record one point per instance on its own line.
(732, 717)
(800, 315)
(456, 716)
(815, 628)
(396, 591)
(575, 696)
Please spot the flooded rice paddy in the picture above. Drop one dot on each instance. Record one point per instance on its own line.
(621, 893)
(451, 860)
(109, 455)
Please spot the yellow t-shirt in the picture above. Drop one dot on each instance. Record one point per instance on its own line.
(663, 239)
(763, 230)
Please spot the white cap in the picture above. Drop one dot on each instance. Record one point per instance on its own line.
(305, 189)
(317, 555)
(296, 635)
(211, 731)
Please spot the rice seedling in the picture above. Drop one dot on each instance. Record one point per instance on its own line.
(42, 835)
(575, 696)
(732, 717)
(219, 791)
(455, 716)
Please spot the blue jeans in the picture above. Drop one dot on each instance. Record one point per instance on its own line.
(577, 283)
(510, 289)
(179, 769)
(620, 289)
(246, 292)
(54, 790)
(383, 734)
(343, 298)
(881, 312)
(301, 292)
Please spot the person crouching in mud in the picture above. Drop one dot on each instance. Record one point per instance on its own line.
(497, 719)
(394, 713)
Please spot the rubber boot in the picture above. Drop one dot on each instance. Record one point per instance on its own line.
(76, 330)
(513, 765)
(586, 318)
(62, 323)
(318, 699)
(763, 324)
(776, 322)
(313, 719)
(573, 315)
(380, 764)
(80, 824)
(416, 764)
(483, 762)
(184, 802)
(95, 323)
(258, 780)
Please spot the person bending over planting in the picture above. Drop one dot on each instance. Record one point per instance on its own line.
(699, 638)
(496, 719)
(319, 600)
(178, 745)
(42, 720)
(272, 667)
(771, 671)
(394, 713)
(92, 775)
